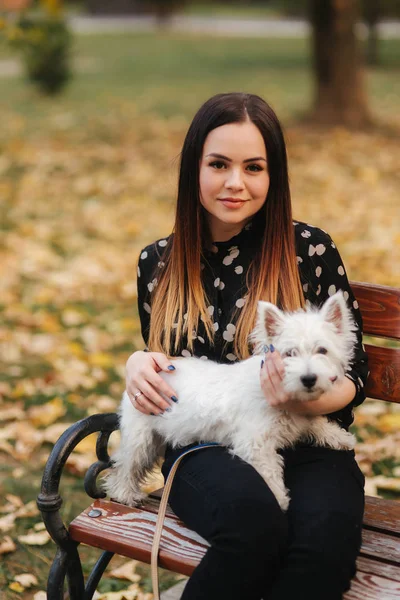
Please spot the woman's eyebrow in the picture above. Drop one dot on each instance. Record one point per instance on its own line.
(255, 158)
(216, 155)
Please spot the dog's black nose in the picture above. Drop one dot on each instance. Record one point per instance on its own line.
(308, 380)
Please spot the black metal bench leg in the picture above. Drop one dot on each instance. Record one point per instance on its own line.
(97, 573)
(66, 564)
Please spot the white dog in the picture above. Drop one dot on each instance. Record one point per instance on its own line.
(225, 403)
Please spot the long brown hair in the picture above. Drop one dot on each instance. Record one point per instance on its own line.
(179, 299)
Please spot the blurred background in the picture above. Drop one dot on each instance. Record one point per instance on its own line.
(95, 100)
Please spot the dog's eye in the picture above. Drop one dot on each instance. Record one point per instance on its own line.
(322, 350)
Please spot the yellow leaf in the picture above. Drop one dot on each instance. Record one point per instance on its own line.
(44, 415)
(129, 324)
(45, 295)
(19, 390)
(101, 359)
(16, 587)
(88, 444)
(76, 349)
(74, 398)
(49, 323)
(389, 423)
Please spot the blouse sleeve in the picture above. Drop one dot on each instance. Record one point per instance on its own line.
(327, 275)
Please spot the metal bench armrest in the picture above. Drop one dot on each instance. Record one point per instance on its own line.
(49, 501)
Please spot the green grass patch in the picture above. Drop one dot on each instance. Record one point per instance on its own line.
(172, 74)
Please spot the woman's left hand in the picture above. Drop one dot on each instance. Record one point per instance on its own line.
(271, 378)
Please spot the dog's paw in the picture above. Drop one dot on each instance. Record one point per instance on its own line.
(129, 499)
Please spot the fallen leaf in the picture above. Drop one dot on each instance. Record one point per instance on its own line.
(29, 509)
(131, 593)
(12, 413)
(16, 587)
(34, 539)
(14, 502)
(7, 522)
(127, 571)
(389, 423)
(44, 415)
(7, 545)
(27, 580)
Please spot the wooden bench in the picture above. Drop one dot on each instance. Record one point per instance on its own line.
(115, 528)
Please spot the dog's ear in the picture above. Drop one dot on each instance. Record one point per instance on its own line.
(270, 318)
(335, 311)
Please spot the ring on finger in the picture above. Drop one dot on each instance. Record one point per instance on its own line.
(138, 393)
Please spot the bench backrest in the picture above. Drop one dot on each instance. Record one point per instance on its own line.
(380, 309)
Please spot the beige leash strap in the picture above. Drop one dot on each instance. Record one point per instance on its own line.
(161, 516)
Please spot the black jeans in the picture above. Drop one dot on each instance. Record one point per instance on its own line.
(257, 551)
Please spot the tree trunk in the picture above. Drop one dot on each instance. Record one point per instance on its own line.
(340, 96)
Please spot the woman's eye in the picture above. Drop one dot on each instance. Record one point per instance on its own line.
(322, 350)
(254, 168)
(217, 164)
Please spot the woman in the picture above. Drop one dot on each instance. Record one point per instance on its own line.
(234, 243)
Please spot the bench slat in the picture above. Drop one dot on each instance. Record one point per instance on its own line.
(382, 515)
(372, 587)
(129, 531)
(380, 307)
(380, 545)
(384, 380)
(376, 567)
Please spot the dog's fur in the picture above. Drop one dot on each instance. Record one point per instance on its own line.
(225, 403)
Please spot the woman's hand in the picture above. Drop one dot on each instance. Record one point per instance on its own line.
(271, 378)
(142, 370)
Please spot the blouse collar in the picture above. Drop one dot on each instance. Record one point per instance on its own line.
(240, 239)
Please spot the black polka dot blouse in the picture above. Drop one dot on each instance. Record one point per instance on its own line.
(224, 270)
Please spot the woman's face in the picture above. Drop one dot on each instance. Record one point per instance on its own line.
(234, 177)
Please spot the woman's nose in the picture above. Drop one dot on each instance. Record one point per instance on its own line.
(234, 180)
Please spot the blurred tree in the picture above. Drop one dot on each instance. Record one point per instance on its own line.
(163, 9)
(43, 39)
(340, 95)
(115, 7)
(373, 11)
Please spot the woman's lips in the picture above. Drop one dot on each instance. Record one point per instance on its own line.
(232, 202)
